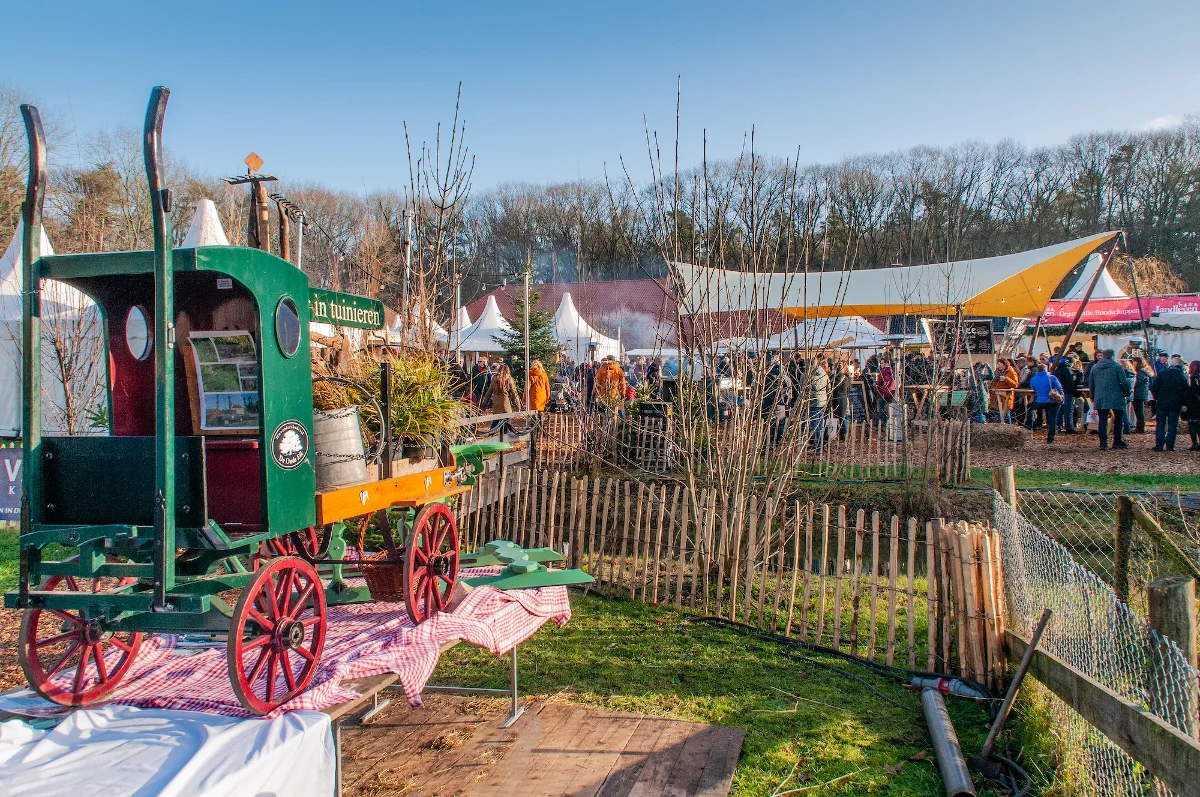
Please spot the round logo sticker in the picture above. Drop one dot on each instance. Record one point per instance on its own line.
(289, 444)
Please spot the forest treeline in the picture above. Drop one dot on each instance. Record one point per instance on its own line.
(917, 206)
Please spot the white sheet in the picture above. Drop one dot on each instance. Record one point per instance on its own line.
(121, 750)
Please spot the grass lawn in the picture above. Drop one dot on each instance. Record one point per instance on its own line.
(1188, 483)
(626, 656)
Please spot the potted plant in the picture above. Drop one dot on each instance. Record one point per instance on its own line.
(425, 412)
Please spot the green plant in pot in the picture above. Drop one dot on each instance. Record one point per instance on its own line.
(425, 412)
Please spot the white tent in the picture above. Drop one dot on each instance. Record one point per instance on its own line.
(484, 334)
(399, 333)
(577, 338)
(1176, 333)
(1016, 285)
(1106, 288)
(65, 312)
(456, 329)
(206, 227)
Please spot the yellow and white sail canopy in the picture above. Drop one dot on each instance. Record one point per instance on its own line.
(1017, 285)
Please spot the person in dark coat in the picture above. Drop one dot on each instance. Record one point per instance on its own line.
(1192, 413)
(1110, 388)
(1071, 381)
(840, 391)
(1171, 395)
(481, 381)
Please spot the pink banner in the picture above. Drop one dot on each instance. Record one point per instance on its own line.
(1117, 311)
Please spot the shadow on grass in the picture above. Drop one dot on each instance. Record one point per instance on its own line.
(626, 656)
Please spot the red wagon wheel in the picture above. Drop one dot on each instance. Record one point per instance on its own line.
(53, 641)
(311, 543)
(277, 634)
(430, 562)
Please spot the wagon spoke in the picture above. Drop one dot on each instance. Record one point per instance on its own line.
(123, 646)
(421, 557)
(72, 584)
(77, 684)
(257, 642)
(309, 622)
(298, 607)
(66, 616)
(283, 595)
(256, 616)
(58, 665)
(50, 640)
(288, 677)
(271, 676)
(437, 594)
(429, 590)
(101, 666)
(263, 655)
(305, 653)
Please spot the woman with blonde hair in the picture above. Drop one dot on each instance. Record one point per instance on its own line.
(539, 386)
(502, 397)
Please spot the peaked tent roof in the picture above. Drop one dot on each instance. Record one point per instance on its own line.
(206, 229)
(1016, 285)
(398, 332)
(57, 297)
(577, 335)
(484, 334)
(1106, 288)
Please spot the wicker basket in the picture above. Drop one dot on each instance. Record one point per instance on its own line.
(385, 581)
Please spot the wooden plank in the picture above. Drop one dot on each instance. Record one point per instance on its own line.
(860, 530)
(874, 584)
(779, 551)
(912, 601)
(658, 536)
(995, 661)
(751, 555)
(931, 614)
(414, 489)
(966, 548)
(825, 512)
(679, 514)
(945, 608)
(594, 507)
(722, 555)
(1167, 752)
(767, 534)
(837, 588)
(709, 529)
(808, 551)
(642, 502)
(739, 504)
(791, 610)
(893, 588)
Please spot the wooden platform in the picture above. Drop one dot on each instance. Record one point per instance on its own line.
(454, 746)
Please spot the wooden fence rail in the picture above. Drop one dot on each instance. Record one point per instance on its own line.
(924, 596)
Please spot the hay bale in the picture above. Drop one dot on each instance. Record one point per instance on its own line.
(998, 437)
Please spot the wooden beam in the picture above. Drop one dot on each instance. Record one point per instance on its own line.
(1167, 752)
(1167, 545)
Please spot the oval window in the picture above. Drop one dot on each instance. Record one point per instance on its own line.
(287, 326)
(137, 333)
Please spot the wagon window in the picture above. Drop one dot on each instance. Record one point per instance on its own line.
(287, 326)
(137, 333)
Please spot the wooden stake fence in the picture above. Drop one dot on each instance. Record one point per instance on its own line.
(926, 596)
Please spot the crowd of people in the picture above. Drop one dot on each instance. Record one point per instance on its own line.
(1066, 392)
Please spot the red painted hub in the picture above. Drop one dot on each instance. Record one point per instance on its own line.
(53, 642)
(277, 634)
(430, 562)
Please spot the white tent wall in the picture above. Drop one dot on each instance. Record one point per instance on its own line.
(484, 335)
(1106, 288)
(576, 336)
(72, 341)
(1177, 333)
(206, 229)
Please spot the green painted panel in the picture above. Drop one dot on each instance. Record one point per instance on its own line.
(345, 309)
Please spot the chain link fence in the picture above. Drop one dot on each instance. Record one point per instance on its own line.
(1084, 522)
(1091, 630)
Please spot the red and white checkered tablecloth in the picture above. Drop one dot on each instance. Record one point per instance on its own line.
(362, 639)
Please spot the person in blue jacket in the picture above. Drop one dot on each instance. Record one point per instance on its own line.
(1048, 397)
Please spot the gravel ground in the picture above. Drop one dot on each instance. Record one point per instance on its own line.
(1081, 452)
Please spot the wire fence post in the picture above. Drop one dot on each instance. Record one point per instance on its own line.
(1123, 545)
(1172, 602)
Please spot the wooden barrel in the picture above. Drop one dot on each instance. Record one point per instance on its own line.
(341, 457)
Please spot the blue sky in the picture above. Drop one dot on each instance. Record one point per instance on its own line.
(554, 91)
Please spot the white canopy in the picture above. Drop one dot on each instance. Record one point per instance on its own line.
(461, 323)
(577, 337)
(484, 334)
(1106, 288)
(67, 315)
(206, 227)
(1016, 285)
(400, 333)
(819, 333)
